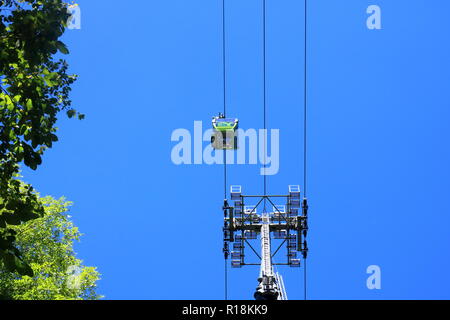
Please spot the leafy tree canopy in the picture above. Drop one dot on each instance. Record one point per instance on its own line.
(34, 89)
(47, 246)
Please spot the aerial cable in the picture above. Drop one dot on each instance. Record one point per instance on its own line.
(224, 91)
(304, 278)
(226, 280)
(264, 101)
(224, 114)
(305, 97)
(305, 131)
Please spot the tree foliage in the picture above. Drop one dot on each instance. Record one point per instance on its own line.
(47, 246)
(34, 89)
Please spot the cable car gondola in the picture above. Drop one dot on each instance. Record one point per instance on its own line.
(224, 135)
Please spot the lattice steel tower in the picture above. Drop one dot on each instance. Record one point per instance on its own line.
(287, 222)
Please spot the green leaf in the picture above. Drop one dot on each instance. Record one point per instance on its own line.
(12, 135)
(54, 137)
(8, 260)
(22, 268)
(29, 104)
(9, 103)
(71, 113)
(62, 47)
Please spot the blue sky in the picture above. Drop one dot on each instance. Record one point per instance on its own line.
(378, 143)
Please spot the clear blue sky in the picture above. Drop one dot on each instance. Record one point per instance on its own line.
(379, 110)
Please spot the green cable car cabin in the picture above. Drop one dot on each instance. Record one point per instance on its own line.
(224, 135)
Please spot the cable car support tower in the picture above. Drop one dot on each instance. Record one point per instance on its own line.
(287, 222)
